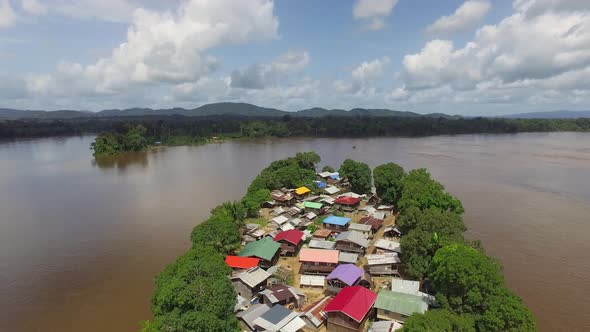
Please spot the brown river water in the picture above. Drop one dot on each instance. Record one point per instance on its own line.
(80, 241)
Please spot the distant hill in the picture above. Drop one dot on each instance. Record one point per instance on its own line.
(550, 115)
(225, 108)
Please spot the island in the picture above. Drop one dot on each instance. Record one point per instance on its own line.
(347, 250)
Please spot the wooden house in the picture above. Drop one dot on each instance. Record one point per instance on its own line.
(283, 198)
(345, 275)
(347, 203)
(375, 223)
(290, 241)
(398, 306)
(266, 249)
(250, 282)
(383, 264)
(318, 261)
(302, 192)
(279, 318)
(352, 241)
(350, 309)
(238, 263)
(335, 223)
(314, 315)
(284, 295)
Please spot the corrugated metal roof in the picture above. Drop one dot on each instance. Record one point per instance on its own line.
(319, 244)
(335, 220)
(302, 190)
(315, 311)
(312, 205)
(385, 326)
(265, 248)
(405, 286)
(238, 262)
(253, 276)
(359, 227)
(346, 257)
(332, 190)
(380, 259)
(347, 200)
(354, 237)
(388, 245)
(292, 236)
(312, 280)
(347, 273)
(318, 255)
(255, 311)
(293, 326)
(402, 303)
(279, 220)
(354, 301)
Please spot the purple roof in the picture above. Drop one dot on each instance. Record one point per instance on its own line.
(347, 273)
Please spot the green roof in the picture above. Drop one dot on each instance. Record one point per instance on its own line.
(265, 249)
(312, 205)
(405, 304)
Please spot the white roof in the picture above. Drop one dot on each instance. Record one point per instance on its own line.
(405, 286)
(380, 259)
(310, 215)
(385, 207)
(379, 215)
(388, 245)
(280, 220)
(325, 174)
(351, 194)
(287, 227)
(253, 276)
(385, 326)
(322, 244)
(332, 190)
(312, 280)
(257, 233)
(328, 200)
(293, 326)
(278, 210)
(360, 227)
(370, 210)
(346, 257)
(252, 313)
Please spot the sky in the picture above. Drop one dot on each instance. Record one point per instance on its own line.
(474, 57)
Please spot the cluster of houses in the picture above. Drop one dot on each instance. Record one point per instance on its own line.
(340, 257)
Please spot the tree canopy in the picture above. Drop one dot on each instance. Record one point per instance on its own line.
(439, 320)
(506, 312)
(421, 191)
(388, 182)
(328, 168)
(358, 175)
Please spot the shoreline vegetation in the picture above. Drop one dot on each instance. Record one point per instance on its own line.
(194, 293)
(118, 136)
(130, 133)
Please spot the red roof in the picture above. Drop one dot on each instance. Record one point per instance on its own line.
(292, 236)
(347, 200)
(355, 302)
(238, 262)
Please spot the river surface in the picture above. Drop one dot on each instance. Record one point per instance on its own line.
(80, 241)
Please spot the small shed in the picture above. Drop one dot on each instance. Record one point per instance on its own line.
(352, 241)
(336, 223)
(322, 233)
(392, 232)
(312, 281)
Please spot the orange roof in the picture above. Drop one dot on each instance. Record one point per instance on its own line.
(322, 232)
(238, 262)
(302, 190)
(318, 255)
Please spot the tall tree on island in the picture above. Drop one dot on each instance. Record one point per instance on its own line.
(358, 175)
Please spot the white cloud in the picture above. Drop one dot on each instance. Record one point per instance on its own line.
(466, 16)
(370, 70)
(259, 76)
(34, 7)
(363, 78)
(540, 7)
(373, 12)
(7, 15)
(166, 47)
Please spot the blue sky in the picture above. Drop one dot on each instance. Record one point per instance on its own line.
(469, 57)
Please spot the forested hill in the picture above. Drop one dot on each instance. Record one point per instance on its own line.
(241, 109)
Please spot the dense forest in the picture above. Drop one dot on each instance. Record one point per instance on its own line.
(468, 284)
(178, 130)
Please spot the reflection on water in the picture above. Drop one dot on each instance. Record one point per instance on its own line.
(81, 241)
(122, 162)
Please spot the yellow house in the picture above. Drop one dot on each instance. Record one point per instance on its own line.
(302, 191)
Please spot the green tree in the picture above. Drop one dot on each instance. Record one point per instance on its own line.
(434, 229)
(219, 232)
(465, 278)
(231, 210)
(328, 168)
(307, 160)
(388, 182)
(253, 201)
(135, 138)
(358, 175)
(506, 312)
(439, 320)
(421, 191)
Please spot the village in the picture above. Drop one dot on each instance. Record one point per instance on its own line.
(323, 259)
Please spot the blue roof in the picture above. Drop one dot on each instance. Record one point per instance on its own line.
(335, 176)
(334, 220)
(321, 184)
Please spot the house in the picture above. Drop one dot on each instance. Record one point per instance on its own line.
(266, 249)
(373, 200)
(247, 317)
(347, 203)
(361, 228)
(386, 209)
(350, 309)
(368, 210)
(279, 220)
(320, 244)
(335, 223)
(383, 264)
(322, 233)
(242, 303)
(283, 295)
(313, 314)
(238, 263)
(328, 200)
(385, 326)
(352, 241)
(392, 232)
(330, 177)
(346, 275)
(250, 282)
(312, 206)
(331, 190)
(301, 192)
(290, 241)
(410, 287)
(320, 261)
(347, 258)
(372, 221)
(313, 281)
(283, 198)
(279, 318)
(321, 184)
(399, 306)
(286, 227)
(388, 245)
(310, 216)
